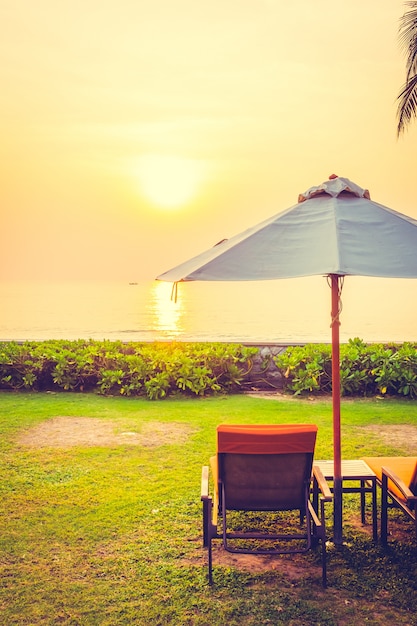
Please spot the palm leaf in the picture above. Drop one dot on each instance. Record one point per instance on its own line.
(407, 99)
(407, 104)
(408, 37)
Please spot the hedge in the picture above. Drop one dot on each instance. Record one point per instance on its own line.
(153, 370)
(160, 370)
(365, 370)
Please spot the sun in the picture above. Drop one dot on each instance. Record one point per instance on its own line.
(169, 181)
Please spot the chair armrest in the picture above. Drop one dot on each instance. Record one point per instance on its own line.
(406, 491)
(205, 482)
(322, 484)
(314, 516)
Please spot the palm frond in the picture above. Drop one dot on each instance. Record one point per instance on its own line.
(407, 104)
(408, 41)
(407, 99)
(408, 31)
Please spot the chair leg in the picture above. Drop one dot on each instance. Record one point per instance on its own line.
(384, 510)
(209, 532)
(317, 528)
(363, 501)
(415, 520)
(210, 562)
(323, 546)
(206, 520)
(324, 564)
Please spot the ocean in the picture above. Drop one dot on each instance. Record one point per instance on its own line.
(281, 311)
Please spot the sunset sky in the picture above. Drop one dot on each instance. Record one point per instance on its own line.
(138, 133)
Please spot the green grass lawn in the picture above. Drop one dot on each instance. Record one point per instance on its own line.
(110, 533)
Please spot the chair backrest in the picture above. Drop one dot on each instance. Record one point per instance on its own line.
(404, 467)
(265, 467)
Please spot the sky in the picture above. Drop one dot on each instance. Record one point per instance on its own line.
(138, 133)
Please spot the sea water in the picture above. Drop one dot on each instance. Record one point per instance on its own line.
(280, 311)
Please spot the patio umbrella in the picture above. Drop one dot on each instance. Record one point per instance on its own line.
(334, 230)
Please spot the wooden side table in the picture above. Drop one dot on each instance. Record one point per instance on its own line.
(356, 470)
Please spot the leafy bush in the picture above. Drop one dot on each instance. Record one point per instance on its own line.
(364, 369)
(306, 368)
(153, 370)
(161, 370)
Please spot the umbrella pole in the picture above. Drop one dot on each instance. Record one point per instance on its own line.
(337, 453)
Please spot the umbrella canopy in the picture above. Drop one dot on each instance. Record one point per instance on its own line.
(334, 230)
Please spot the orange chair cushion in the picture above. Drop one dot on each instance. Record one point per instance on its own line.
(403, 466)
(266, 439)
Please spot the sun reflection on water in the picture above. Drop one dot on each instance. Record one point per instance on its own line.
(167, 315)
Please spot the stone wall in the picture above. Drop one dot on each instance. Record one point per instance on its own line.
(264, 373)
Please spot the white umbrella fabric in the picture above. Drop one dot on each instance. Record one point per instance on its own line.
(334, 230)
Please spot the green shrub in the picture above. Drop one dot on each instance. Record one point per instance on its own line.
(153, 370)
(161, 370)
(305, 368)
(364, 369)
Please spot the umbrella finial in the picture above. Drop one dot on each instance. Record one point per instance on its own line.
(334, 187)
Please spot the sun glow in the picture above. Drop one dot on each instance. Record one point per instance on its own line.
(169, 181)
(167, 315)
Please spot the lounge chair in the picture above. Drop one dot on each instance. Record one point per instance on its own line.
(265, 469)
(397, 477)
